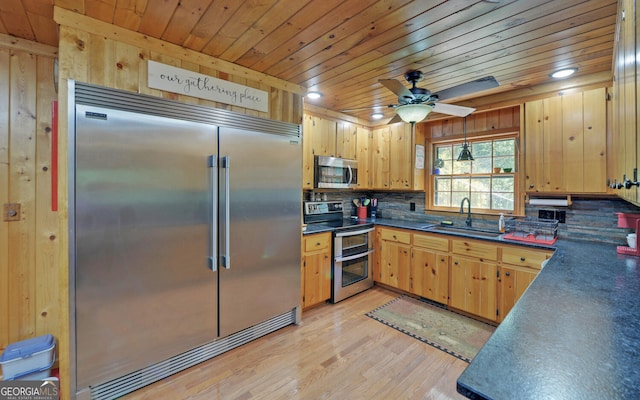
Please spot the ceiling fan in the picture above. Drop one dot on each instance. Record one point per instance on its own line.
(414, 104)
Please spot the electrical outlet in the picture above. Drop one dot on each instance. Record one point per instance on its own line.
(412, 206)
(546, 214)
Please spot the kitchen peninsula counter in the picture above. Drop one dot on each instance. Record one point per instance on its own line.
(574, 334)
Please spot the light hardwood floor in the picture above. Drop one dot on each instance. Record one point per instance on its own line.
(337, 352)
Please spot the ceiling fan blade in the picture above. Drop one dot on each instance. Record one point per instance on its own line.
(398, 88)
(450, 109)
(488, 82)
(396, 118)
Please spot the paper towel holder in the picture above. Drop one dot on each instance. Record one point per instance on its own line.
(559, 201)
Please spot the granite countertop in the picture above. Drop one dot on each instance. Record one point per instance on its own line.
(574, 334)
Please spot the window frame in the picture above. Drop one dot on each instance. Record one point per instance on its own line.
(517, 190)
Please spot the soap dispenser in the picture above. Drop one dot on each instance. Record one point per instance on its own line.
(501, 226)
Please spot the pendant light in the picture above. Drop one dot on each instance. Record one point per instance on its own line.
(465, 153)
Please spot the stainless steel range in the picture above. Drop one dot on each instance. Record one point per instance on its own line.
(352, 267)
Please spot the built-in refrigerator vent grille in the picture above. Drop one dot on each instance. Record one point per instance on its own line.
(136, 380)
(122, 100)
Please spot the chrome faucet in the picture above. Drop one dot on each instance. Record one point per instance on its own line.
(468, 220)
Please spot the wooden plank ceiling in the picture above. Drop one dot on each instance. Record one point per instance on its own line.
(342, 47)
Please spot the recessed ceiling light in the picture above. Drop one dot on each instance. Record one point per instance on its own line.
(314, 95)
(377, 115)
(563, 73)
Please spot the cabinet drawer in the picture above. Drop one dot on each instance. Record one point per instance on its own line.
(316, 242)
(472, 248)
(393, 235)
(431, 242)
(524, 257)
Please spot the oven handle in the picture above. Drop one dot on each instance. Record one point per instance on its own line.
(353, 233)
(353, 257)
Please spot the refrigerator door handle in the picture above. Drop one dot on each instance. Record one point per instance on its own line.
(226, 262)
(213, 257)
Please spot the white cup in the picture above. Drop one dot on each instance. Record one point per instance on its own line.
(631, 240)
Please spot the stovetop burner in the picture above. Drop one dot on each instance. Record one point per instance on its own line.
(329, 214)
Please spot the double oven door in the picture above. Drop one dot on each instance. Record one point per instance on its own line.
(352, 262)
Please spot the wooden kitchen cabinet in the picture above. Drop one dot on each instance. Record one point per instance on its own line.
(430, 267)
(474, 286)
(318, 138)
(518, 269)
(565, 143)
(316, 268)
(394, 163)
(473, 277)
(625, 144)
(364, 140)
(395, 258)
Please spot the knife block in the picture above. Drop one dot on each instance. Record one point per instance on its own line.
(630, 221)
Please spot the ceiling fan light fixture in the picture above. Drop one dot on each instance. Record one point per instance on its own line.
(563, 73)
(413, 113)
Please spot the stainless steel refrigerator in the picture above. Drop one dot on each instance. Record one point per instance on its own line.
(185, 232)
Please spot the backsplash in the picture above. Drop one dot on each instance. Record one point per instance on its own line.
(586, 219)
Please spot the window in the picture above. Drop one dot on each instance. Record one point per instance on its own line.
(488, 181)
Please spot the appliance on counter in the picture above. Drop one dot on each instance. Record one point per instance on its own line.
(184, 233)
(334, 173)
(352, 266)
(626, 220)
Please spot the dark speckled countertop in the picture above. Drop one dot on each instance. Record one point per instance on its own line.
(574, 334)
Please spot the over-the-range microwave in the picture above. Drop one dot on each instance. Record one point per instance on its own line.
(335, 173)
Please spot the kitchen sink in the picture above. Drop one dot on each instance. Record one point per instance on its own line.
(466, 231)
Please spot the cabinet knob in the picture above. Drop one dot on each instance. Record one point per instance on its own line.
(455, 262)
(318, 244)
(522, 259)
(394, 236)
(507, 273)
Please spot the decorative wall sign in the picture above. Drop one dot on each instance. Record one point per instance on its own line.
(182, 81)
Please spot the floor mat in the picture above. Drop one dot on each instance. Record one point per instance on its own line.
(448, 331)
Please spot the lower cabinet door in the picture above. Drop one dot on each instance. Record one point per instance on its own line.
(430, 275)
(474, 287)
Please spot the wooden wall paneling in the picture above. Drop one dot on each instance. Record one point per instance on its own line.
(572, 132)
(4, 197)
(553, 179)
(595, 141)
(127, 74)
(75, 59)
(493, 119)
(508, 117)
(22, 272)
(46, 250)
(101, 55)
